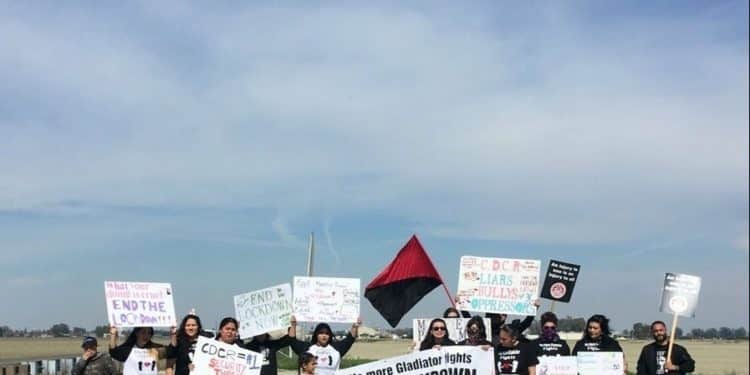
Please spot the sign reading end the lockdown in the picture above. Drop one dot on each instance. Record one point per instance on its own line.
(498, 285)
(560, 281)
(680, 294)
(136, 304)
(263, 310)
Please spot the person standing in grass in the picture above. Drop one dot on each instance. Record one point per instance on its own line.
(653, 359)
(549, 342)
(140, 355)
(181, 348)
(325, 347)
(92, 361)
(597, 338)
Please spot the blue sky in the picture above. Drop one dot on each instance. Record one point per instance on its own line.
(200, 144)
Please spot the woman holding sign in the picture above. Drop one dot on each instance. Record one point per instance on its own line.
(476, 334)
(549, 342)
(324, 347)
(597, 339)
(182, 345)
(437, 336)
(138, 353)
(228, 331)
(513, 357)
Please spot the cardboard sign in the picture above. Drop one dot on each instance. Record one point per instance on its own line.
(498, 285)
(263, 310)
(326, 299)
(137, 304)
(557, 365)
(456, 329)
(680, 294)
(447, 360)
(560, 281)
(600, 363)
(213, 357)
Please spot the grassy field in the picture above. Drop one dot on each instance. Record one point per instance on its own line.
(712, 357)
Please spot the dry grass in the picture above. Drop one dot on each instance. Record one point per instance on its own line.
(712, 357)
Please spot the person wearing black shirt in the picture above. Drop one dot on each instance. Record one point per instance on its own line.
(182, 345)
(513, 356)
(437, 336)
(653, 359)
(549, 343)
(267, 347)
(597, 339)
(476, 334)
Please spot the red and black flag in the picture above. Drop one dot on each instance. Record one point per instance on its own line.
(408, 278)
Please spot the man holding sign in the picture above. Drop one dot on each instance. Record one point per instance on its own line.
(653, 359)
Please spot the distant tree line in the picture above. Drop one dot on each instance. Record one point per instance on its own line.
(643, 331)
(63, 330)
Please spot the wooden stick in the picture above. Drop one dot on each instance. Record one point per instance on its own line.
(671, 338)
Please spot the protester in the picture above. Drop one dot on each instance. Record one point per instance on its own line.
(653, 359)
(476, 334)
(307, 364)
(437, 336)
(597, 338)
(228, 332)
(140, 355)
(499, 320)
(452, 312)
(325, 347)
(92, 361)
(513, 356)
(182, 345)
(549, 343)
(267, 347)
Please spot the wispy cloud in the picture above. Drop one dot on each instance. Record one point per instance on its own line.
(329, 241)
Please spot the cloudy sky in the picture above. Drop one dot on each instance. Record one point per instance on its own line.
(200, 144)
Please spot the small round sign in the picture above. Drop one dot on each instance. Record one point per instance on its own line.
(557, 290)
(678, 304)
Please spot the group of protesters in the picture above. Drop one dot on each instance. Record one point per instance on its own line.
(514, 353)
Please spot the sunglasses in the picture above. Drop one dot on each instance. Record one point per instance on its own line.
(549, 328)
(438, 328)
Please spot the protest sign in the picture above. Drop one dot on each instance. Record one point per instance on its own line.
(600, 363)
(213, 357)
(456, 329)
(498, 285)
(136, 304)
(560, 281)
(263, 310)
(326, 299)
(448, 360)
(680, 294)
(558, 365)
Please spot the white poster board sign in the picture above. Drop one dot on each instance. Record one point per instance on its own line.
(326, 299)
(498, 285)
(456, 329)
(213, 357)
(600, 363)
(447, 360)
(138, 304)
(263, 310)
(557, 365)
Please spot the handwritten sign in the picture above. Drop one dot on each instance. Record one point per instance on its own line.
(263, 310)
(447, 360)
(326, 299)
(456, 329)
(680, 294)
(560, 281)
(600, 363)
(498, 285)
(214, 357)
(138, 304)
(557, 366)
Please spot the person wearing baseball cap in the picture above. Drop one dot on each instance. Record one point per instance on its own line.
(93, 362)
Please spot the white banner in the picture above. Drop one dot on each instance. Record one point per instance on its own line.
(213, 357)
(446, 360)
(456, 329)
(137, 304)
(263, 310)
(498, 285)
(557, 365)
(600, 363)
(326, 299)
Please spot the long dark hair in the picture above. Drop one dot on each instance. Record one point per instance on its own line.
(181, 335)
(451, 310)
(320, 328)
(133, 336)
(429, 340)
(603, 324)
(479, 322)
